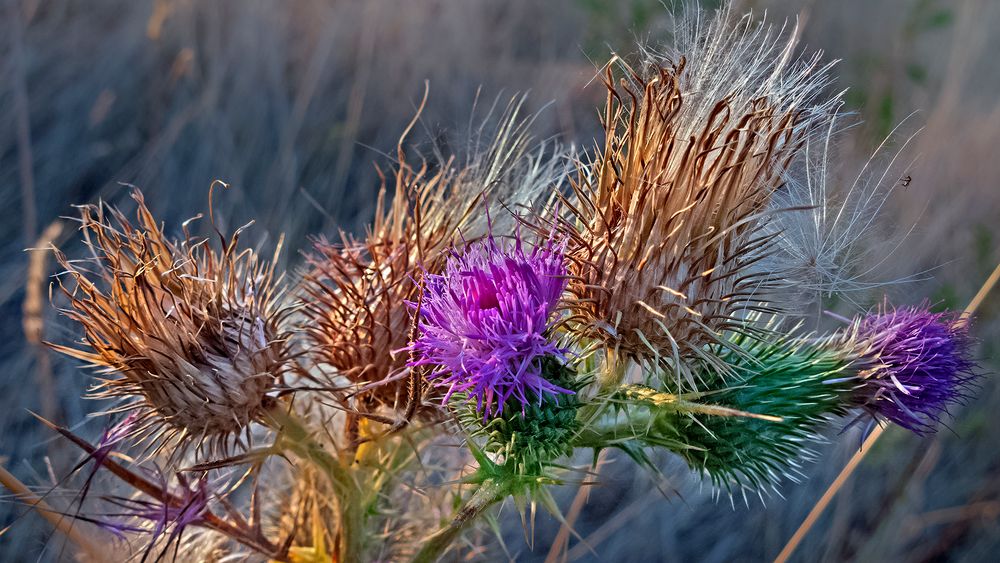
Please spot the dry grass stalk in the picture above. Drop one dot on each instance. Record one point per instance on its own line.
(33, 320)
(88, 549)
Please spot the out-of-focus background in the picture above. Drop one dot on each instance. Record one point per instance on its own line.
(292, 102)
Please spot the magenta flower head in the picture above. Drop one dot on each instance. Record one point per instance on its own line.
(485, 323)
(920, 367)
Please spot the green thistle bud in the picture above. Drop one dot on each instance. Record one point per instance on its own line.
(526, 439)
(799, 382)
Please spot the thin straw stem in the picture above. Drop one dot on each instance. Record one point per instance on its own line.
(58, 520)
(559, 549)
(869, 442)
(831, 492)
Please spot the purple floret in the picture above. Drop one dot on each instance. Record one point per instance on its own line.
(485, 323)
(188, 507)
(922, 365)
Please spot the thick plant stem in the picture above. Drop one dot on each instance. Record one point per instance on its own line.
(298, 439)
(488, 494)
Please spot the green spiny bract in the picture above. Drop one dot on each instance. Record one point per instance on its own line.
(801, 382)
(525, 440)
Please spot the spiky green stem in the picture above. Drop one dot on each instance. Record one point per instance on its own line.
(488, 494)
(785, 389)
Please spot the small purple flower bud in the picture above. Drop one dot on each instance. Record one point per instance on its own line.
(920, 365)
(113, 436)
(187, 506)
(110, 438)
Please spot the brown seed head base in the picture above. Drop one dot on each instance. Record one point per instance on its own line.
(355, 292)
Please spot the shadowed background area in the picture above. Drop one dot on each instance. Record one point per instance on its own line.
(292, 103)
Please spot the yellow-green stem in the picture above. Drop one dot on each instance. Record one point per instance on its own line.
(488, 494)
(297, 438)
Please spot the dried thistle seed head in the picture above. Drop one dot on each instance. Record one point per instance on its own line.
(355, 291)
(667, 225)
(185, 335)
(669, 215)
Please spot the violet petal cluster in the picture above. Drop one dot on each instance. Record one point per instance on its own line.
(485, 323)
(156, 517)
(921, 365)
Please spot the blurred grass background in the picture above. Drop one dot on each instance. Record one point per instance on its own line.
(291, 103)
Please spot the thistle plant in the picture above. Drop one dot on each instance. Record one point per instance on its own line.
(491, 324)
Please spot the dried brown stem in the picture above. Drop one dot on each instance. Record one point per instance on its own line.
(145, 486)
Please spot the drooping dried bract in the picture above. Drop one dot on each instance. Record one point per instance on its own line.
(186, 335)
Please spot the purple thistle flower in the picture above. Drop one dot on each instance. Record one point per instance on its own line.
(921, 365)
(110, 438)
(187, 506)
(485, 322)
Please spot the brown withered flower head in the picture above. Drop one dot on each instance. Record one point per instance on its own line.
(355, 292)
(666, 221)
(187, 335)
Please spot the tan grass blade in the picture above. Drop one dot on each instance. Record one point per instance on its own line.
(60, 522)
